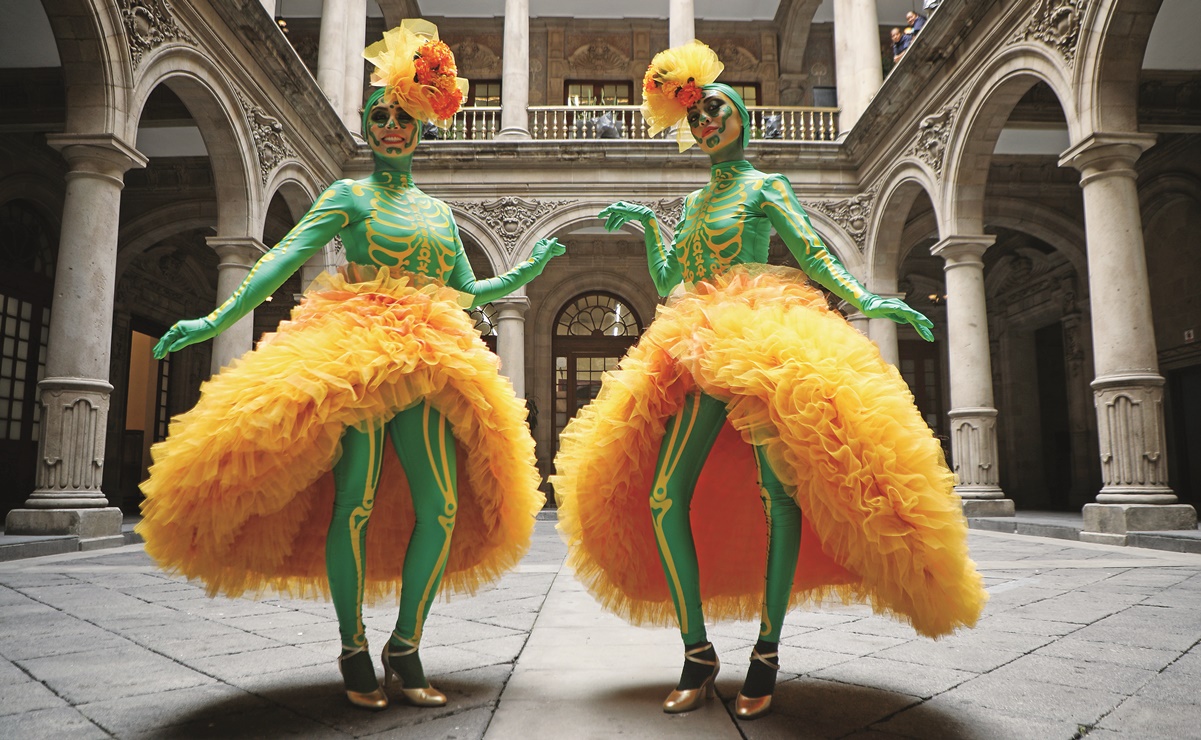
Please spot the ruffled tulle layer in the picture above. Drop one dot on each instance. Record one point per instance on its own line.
(240, 493)
(881, 521)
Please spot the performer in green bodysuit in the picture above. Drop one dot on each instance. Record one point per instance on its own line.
(740, 343)
(403, 245)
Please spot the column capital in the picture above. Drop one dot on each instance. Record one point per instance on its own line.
(1103, 154)
(963, 250)
(104, 155)
(516, 304)
(239, 250)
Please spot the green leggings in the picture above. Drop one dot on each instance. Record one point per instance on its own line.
(425, 446)
(689, 436)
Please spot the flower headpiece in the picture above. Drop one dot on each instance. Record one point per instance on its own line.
(418, 72)
(673, 82)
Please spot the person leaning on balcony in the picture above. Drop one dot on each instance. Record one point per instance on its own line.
(900, 43)
(747, 390)
(271, 480)
(913, 24)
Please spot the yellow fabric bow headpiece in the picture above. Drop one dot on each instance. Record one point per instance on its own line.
(673, 81)
(418, 72)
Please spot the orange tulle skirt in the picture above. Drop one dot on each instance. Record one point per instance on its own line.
(240, 493)
(881, 520)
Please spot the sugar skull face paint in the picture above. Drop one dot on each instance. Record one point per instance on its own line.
(715, 122)
(391, 132)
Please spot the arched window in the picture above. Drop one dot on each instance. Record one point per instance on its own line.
(592, 333)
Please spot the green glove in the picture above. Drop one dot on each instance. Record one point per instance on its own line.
(666, 272)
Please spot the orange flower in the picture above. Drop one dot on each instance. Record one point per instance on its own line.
(689, 94)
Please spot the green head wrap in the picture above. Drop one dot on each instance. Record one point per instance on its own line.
(736, 99)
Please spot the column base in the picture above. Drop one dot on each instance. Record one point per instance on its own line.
(512, 134)
(89, 525)
(982, 507)
(1108, 524)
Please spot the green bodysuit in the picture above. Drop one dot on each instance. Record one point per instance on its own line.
(726, 223)
(383, 220)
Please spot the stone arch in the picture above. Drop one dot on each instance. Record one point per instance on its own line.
(144, 232)
(990, 100)
(213, 102)
(489, 243)
(296, 184)
(41, 192)
(1113, 41)
(904, 183)
(1045, 224)
(93, 47)
(1163, 190)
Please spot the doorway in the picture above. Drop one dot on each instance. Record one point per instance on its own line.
(146, 410)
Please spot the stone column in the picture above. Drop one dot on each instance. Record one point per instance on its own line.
(884, 333)
(510, 338)
(858, 70)
(75, 392)
(1128, 389)
(331, 52)
(973, 414)
(854, 318)
(356, 37)
(681, 22)
(236, 255)
(515, 76)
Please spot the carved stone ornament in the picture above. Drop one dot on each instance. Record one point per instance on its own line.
(668, 211)
(476, 60)
(930, 145)
(269, 139)
(148, 25)
(852, 214)
(598, 58)
(510, 218)
(1056, 23)
(736, 57)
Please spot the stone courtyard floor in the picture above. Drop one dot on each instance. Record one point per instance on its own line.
(1078, 640)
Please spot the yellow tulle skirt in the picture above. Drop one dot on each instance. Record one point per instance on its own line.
(240, 493)
(881, 520)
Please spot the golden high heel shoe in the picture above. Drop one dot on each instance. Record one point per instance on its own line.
(747, 708)
(425, 697)
(375, 699)
(680, 701)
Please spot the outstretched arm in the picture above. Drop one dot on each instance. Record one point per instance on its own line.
(462, 277)
(328, 216)
(786, 215)
(664, 268)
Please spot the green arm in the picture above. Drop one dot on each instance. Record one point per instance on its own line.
(792, 223)
(329, 215)
(666, 271)
(462, 277)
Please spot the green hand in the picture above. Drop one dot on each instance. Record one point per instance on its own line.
(546, 249)
(900, 312)
(616, 215)
(184, 334)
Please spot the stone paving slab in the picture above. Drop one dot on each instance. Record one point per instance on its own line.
(1078, 640)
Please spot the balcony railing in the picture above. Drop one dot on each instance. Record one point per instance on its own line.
(567, 123)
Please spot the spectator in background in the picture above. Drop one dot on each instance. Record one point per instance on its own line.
(915, 23)
(900, 42)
